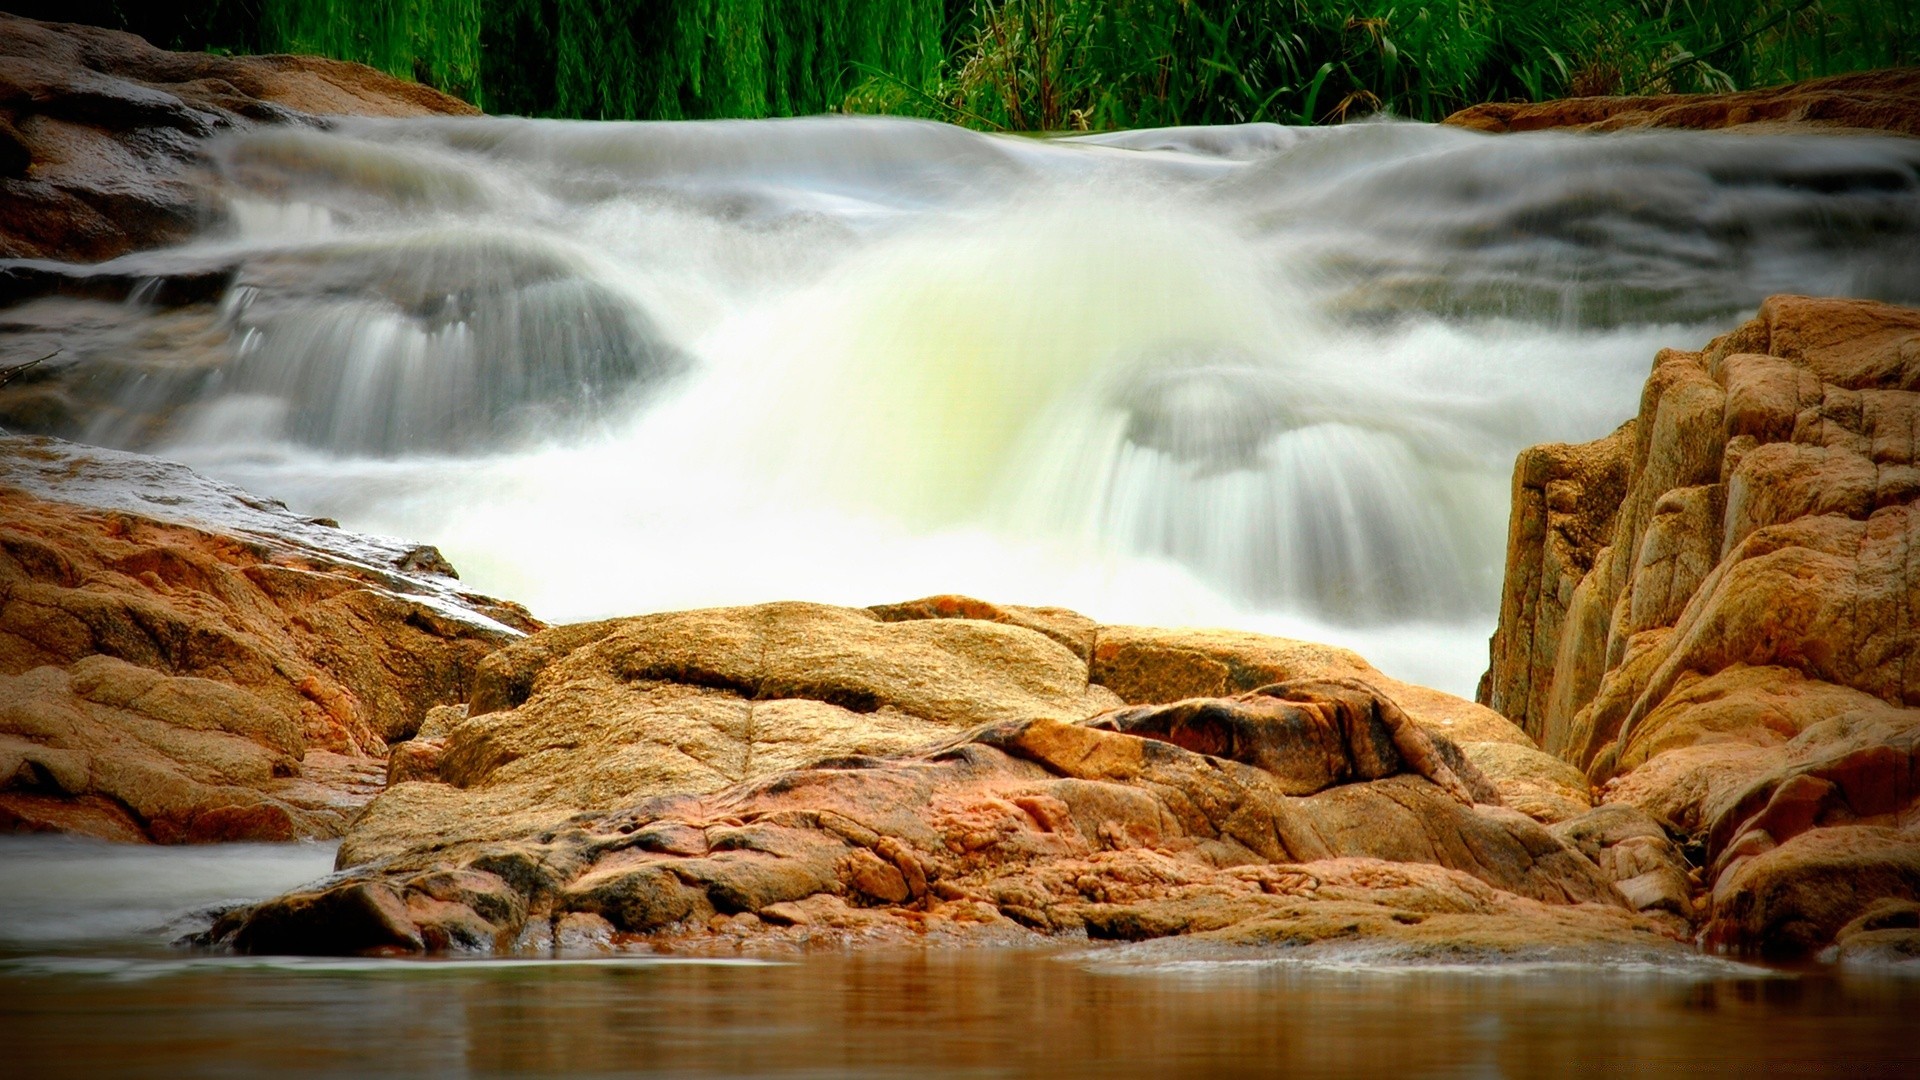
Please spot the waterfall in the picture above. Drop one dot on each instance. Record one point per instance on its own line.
(1255, 376)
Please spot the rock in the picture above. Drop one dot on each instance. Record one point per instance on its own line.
(357, 917)
(1317, 805)
(1860, 101)
(1537, 784)
(1886, 935)
(100, 132)
(593, 716)
(183, 662)
(1070, 628)
(1794, 899)
(1715, 613)
(1308, 735)
(1152, 666)
(1635, 853)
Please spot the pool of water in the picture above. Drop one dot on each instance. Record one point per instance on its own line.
(978, 1013)
(90, 986)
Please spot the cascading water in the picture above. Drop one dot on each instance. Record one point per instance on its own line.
(1258, 376)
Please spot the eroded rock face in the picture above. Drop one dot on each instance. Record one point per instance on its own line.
(595, 716)
(1310, 810)
(98, 130)
(1715, 613)
(1864, 101)
(181, 661)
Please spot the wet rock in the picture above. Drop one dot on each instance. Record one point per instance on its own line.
(183, 662)
(1862, 101)
(1715, 614)
(100, 132)
(356, 917)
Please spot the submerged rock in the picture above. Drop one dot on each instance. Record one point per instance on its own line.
(1715, 612)
(183, 662)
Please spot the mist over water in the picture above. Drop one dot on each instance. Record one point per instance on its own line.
(1260, 377)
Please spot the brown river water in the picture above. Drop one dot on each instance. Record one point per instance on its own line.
(90, 986)
(979, 1013)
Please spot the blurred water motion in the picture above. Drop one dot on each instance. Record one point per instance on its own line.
(1262, 377)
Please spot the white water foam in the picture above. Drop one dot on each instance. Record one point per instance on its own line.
(1255, 377)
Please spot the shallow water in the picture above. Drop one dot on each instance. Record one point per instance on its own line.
(984, 1013)
(99, 992)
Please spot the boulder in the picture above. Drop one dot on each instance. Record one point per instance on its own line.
(1858, 101)
(967, 782)
(182, 661)
(100, 131)
(593, 716)
(1715, 613)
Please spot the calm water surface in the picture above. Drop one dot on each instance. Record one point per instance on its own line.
(936, 1014)
(88, 987)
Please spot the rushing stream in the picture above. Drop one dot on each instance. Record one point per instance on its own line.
(1264, 377)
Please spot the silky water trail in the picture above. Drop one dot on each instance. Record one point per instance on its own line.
(1253, 377)
(1258, 377)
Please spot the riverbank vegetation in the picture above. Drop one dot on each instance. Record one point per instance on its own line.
(1042, 64)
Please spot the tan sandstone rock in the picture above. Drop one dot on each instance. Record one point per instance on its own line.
(1309, 810)
(1731, 640)
(593, 716)
(181, 661)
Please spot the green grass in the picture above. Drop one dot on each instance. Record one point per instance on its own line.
(1043, 65)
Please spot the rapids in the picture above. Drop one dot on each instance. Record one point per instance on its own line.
(1263, 377)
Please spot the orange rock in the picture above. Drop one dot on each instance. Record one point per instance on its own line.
(209, 676)
(1741, 653)
(1864, 101)
(1110, 827)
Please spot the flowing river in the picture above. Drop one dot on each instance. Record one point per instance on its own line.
(1263, 377)
(1259, 377)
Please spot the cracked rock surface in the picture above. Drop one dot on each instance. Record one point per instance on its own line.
(950, 770)
(1715, 613)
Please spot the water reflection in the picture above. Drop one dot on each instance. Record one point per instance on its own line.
(986, 1013)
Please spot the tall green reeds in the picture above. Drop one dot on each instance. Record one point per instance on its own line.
(1043, 64)
(1023, 64)
(626, 59)
(434, 41)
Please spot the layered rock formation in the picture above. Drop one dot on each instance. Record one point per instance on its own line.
(1864, 101)
(1715, 612)
(795, 773)
(99, 130)
(182, 661)
(592, 716)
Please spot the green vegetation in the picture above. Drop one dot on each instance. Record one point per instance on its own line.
(1044, 64)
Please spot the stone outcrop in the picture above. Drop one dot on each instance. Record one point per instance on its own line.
(592, 716)
(181, 661)
(1887, 101)
(99, 130)
(1715, 612)
(954, 770)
